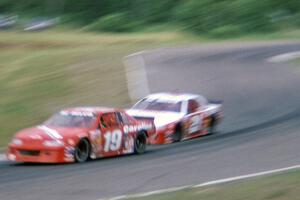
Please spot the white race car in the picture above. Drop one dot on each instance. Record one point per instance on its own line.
(178, 116)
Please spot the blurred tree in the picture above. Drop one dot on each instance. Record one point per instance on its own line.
(207, 15)
(202, 16)
(5, 6)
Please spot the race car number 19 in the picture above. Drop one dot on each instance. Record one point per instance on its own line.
(113, 140)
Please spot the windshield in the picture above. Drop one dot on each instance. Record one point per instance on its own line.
(69, 120)
(158, 105)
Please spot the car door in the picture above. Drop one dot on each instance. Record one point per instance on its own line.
(129, 132)
(112, 134)
(194, 118)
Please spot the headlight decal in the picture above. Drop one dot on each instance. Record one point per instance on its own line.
(53, 143)
(17, 141)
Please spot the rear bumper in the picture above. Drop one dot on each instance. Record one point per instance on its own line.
(51, 155)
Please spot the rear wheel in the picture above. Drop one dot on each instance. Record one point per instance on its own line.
(140, 143)
(82, 151)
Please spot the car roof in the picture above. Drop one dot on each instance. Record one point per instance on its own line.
(92, 109)
(168, 96)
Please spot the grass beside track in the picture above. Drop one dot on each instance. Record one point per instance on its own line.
(284, 186)
(43, 72)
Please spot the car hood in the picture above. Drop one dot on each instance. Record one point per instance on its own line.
(160, 118)
(43, 132)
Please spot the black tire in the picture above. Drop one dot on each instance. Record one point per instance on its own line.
(212, 129)
(82, 151)
(177, 136)
(140, 143)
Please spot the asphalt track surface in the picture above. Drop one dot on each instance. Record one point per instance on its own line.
(261, 129)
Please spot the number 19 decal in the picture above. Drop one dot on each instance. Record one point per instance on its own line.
(113, 140)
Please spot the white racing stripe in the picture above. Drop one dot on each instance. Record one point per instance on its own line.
(246, 176)
(226, 180)
(51, 132)
(285, 57)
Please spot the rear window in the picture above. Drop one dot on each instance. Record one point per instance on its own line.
(157, 105)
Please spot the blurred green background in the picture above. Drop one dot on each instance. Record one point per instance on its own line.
(216, 18)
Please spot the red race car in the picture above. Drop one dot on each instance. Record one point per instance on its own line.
(177, 116)
(77, 134)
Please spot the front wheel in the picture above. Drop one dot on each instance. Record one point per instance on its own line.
(177, 136)
(140, 143)
(82, 151)
(212, 129)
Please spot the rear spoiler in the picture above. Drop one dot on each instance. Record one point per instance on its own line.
(214, 101)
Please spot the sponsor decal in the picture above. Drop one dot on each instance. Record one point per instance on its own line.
(128, 145)
(135, 128)
(195, 123)
(96, 141)
(69, 152)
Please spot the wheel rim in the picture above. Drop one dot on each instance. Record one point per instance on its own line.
(82, 151)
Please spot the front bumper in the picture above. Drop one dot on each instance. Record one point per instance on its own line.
(38, 155)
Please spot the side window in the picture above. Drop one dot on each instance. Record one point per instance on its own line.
(193, 106)
(109, 120)
(124, 118)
